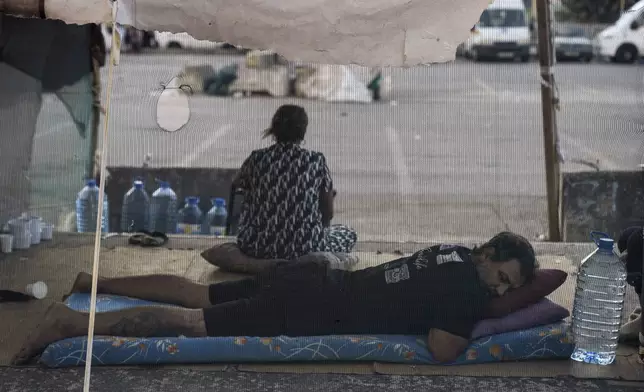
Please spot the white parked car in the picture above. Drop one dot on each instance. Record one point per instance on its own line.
(503, 32)
(623, 42)
(168, 40)
(573, 44)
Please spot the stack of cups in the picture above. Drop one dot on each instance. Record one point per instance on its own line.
(47, 233)
(21, 231)
(35, 228)
(6, 243)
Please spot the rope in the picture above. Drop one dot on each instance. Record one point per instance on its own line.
(114, 54)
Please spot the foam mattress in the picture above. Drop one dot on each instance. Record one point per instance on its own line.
(544, 342)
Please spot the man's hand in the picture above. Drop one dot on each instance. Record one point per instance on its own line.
(444, 346)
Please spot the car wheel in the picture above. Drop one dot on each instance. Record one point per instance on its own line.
(174, 45)
(626, 54)
(525, 58)
(587, 59)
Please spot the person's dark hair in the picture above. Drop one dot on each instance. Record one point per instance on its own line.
(288, 125)
(506, 246)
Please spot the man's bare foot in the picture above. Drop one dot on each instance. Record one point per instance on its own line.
(82, 284)
(58, 323)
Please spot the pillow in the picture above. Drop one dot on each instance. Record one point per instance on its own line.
(542, 313)
(544, 283)
(228, 257)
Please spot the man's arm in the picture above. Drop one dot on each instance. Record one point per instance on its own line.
(444, 346)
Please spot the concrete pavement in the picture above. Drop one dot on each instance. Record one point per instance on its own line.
(459, 154)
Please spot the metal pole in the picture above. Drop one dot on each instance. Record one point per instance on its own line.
(548, 111)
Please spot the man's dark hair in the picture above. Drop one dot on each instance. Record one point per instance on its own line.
(289, 124)
(506, 246)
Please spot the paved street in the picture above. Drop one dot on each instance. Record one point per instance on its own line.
(458, 156)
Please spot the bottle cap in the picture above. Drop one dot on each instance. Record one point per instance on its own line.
(192, 200)
(606, 244)
(219, 202)
(164, 184)
(91, 182)
(138, 184)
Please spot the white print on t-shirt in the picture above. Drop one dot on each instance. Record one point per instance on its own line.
(450, 258)
(395, 275)
(421, 261)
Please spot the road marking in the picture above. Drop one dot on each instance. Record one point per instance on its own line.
(485, 86)
(402, 170)
(587, 153)
(207, 145)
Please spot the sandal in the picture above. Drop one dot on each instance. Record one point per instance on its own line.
(137, 238)
(155, 239)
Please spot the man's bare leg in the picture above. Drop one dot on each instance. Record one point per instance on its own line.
(167, 289)
(61, 322)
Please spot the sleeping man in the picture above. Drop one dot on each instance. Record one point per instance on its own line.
(439, 292)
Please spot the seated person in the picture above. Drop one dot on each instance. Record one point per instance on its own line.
(439, 292)
(288, 196)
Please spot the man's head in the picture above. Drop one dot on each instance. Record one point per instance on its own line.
(505, 262)
(289, 124)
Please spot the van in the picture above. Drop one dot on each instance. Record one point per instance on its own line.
(623, 42)
(502, 32)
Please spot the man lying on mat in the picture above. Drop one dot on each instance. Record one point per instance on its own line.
(441, 291)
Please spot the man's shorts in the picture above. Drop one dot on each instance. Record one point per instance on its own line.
(293, 299)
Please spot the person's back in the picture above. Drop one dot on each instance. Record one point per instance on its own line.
(288, 196)
(281, 217)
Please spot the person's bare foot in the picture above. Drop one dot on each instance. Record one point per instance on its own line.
(55, 325)
(82, 284)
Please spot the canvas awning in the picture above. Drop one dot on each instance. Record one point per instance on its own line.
(368, 32)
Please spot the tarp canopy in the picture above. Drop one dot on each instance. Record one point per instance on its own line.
(367, 32)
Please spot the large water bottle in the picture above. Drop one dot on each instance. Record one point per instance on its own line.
(215, 222)
(87, 209)
(135, 213)
(190, 217)
(163, 209)
(599, 300)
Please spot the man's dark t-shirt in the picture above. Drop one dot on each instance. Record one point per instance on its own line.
(437, 288)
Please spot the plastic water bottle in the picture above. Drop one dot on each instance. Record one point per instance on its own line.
(163, 209)
(87, 209)
(216, 218)
(599, 300)
(135, 213)
(190, 217)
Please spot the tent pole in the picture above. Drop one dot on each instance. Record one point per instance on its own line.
(548, 111)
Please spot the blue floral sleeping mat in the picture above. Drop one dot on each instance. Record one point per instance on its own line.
(544, 342)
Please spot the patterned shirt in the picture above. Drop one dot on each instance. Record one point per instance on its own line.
(281, 216)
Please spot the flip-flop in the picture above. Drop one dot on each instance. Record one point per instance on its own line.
(155, 239)
(136, 239)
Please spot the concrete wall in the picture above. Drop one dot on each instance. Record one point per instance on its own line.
(604, 201)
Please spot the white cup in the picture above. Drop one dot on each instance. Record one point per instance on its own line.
(22, 241)
(47, 233)
(37, 290)
(35, 227)
(6, 243)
